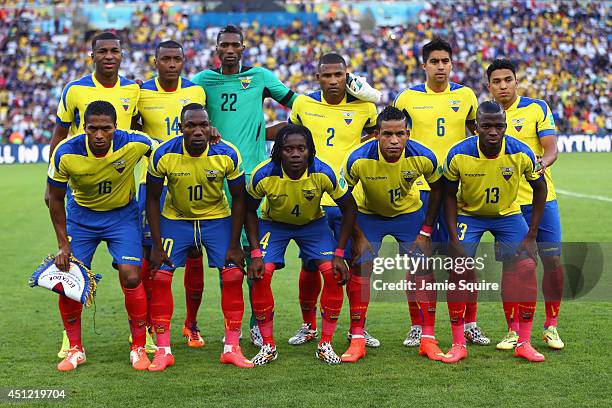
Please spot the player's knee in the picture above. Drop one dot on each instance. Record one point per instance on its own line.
(131, 281)
(232, 275)
(551, 262)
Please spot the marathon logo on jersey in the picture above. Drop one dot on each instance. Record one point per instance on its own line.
(348, 116)
(120, 165)
(184, 101)
(211, 175)
(125, 102)
(455, 104)
(245, 81)
(409, 175)
(507, 172)
(518, 123)
(309, 194)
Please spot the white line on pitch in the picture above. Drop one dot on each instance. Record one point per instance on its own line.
(587, 196)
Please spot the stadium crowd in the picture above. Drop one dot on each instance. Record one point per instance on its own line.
(561, 49)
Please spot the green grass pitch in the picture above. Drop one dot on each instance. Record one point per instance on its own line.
(390, 376)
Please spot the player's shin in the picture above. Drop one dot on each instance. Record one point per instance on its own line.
(70, 310)
(309, 288)
(358, 291)
(508, 282)
(331, 302)
(471, 306)
(526, 294)
(147, 282)
(456, 299)
(263, 304)
(162, 306)
(136, 307)
(426, 301)
(194, 287)
(552, 288)
(232, 304)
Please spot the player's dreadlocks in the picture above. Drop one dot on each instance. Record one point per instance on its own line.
(281, 136)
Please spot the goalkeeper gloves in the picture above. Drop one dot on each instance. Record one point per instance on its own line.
(360, 89)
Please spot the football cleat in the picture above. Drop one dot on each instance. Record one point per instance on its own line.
(429, 347)
(74, 356)
(304, 335)
(266, 354)
(256, 338)
(139, 359)
(356, 350)
(63, 352)
(370, 341)
(236, 358)
(525, 350)
(325, 352)
(456, 353)
(161, 361)
(475, 336)
(192, 334)
(413, 338)
(508, 342)
(551, 337)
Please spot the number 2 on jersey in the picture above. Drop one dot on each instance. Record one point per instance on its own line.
(229, 102)
(331, 132)
(174, 127)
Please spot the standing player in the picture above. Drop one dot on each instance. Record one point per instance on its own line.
(292, 185)
(195, 215)
(99, 167)
(337, 121)
(386, 168)
(104, 84)
(160, 104)
(438, 113)
(490, 168)
(531, 121)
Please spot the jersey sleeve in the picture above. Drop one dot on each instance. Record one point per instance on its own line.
(277, 90)
(431, 171)
(473, 101)
(334, 185)
(56, 173)
(546, 125)
(529, 160)
(294, 116)
(451, 168)
(65, 109)
(236, 172)
(202, 96)
(255, 186)
(348, 171)
(370, 124)
(156, 166)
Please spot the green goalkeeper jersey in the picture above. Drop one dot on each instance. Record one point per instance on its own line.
(235, 107)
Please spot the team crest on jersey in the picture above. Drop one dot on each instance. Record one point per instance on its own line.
(125, 102)
(507, 172)
(409, 175)
(211, 175)
(309, 194)
(184, 101)
(518, 123)
(348, 116)
(245, 81)
(455, 104)
(119, 165)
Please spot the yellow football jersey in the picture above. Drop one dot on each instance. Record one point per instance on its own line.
(99, 183)
(80, 93)
(295, 202)
(437, 119)
(336, 129)
(388, 187)
(160, 110)
(195, 184)
(529, 120)
(489, 187)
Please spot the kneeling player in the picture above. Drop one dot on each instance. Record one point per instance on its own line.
(99, 167)
(490, 167)
(386, 168)
(196, 214)
(292, 184)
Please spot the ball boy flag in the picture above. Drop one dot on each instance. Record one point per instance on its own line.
(79, 283)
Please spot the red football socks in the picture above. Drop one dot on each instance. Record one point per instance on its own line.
(136, 307)
(331, 302)
(147, 282)
(70, 310)
(552, 287)
(162, 306)
(309, 289)
(232, 303)
(471, 306)
(263, 304)
(358, 290)
(426, 302)
(194, 286)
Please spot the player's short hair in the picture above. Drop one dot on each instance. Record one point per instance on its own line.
(98, 108)
(489, 107)
(388, 114)
(331, 58)
(191, 107)
(168, 44)
(230, 29)
(281, 136)
(501, 63)
(437, 44)
(106, 35)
